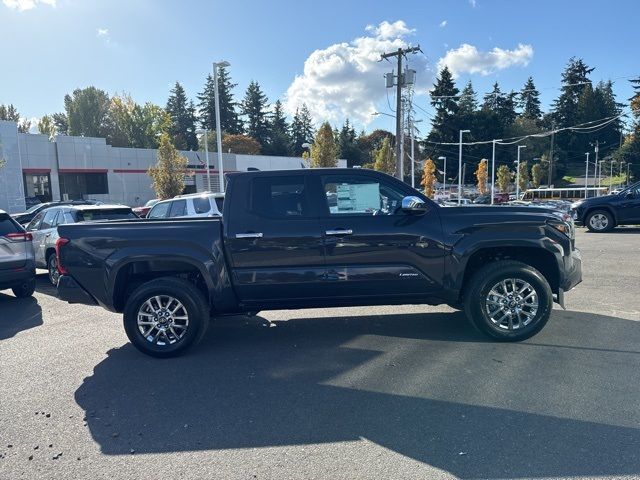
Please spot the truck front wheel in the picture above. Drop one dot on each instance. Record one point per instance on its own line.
(508, 301)
(165, 317)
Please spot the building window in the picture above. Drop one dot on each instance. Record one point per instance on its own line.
(79, 185)
(37, 188)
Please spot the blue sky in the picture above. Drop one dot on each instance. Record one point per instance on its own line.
(142, 47)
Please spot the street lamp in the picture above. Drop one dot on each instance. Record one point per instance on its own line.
(493, 168)
(518, 173)
(460, 166)
(217, 65)
(382, 113)
(206, 155)
(444, 176)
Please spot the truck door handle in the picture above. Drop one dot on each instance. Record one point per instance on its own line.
(249, 235)
(339, 231)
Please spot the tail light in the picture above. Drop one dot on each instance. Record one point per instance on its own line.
(19, 237)
(59, 243)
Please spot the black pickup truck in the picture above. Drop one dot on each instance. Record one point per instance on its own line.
(601, 214)
(320, 238)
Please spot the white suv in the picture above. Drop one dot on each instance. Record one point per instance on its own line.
(193, 205)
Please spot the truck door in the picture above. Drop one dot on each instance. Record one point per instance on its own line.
(273, 239)
(373, 248)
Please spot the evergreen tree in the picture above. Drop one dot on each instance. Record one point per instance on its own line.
(501, 105)
(575, 78)
(229, 121)
(301, 130)
(529, 101)
(348, 145)
(324, 149)
(468, 103)
(444, 99)
(279, 138)
(182, 128)
(254, 108)
(61, 123)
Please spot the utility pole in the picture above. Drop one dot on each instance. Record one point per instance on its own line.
(399, 84)
(595, 170)
(413, 155)
(586, 175)
(460, 166)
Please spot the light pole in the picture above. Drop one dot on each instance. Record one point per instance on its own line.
(217, 65)
(518, 173)
(586, 174)
(444, 176)
(611, 176)
(206, 155)
(493, 169)
(626, 183)
(460, 166)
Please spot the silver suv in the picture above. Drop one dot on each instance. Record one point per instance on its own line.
(192, 205)
(44, 229)
(17, 267)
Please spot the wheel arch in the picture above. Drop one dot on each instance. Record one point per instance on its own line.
(606, 208)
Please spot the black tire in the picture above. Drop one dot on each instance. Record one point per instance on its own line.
(193, 301)
(25, 289)
(599, 221)
(52, 269)
(476, 299)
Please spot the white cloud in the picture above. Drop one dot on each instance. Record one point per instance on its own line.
(104, 34)
(346, 79)
(468, 59)
(443, 23)
(472, 3)
(23, 5)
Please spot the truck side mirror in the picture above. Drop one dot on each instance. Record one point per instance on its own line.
(413, 204)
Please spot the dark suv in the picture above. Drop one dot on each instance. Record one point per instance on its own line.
(17, 266)
(602, 214)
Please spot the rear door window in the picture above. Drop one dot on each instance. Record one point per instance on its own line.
(35, 223)
(201, 205)
(49, 219)
(178, 208)
(279, 197)
(106, 214)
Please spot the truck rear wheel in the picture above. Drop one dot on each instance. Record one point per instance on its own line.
(508, 300)
(165, 317)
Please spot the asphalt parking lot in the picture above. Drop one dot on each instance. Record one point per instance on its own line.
(376, 392)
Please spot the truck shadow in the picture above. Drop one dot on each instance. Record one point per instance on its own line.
(18, 314)
(422, 385)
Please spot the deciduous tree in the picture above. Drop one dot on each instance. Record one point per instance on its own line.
(168, 173)
(503, 178)
(324, 150)
(87, 112)
(428, 181)
(537, 174)
(523, 181)
(47, 127)
(482, 174)
(385, 158)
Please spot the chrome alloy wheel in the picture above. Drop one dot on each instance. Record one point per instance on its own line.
(511, 304)
(163, 320)
(598, 221)
(54, 275)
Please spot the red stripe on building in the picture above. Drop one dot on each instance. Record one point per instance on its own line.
(83, 170)
(122, 170)
(36, 170)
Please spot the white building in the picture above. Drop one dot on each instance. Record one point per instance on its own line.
(37, 169)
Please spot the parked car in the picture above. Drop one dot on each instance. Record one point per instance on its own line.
(43, 229)
(26, 217)
(17, 267)
(485, 199)
(143, 211)
(281, 244)
(193, 205)
(602, 214)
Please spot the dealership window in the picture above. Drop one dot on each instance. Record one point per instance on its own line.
(37, 187)
(79, 186)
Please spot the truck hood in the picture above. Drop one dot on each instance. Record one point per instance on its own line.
(463, 218)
